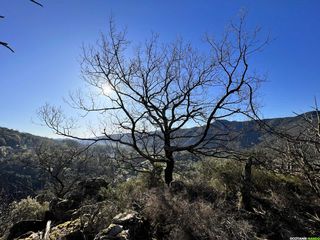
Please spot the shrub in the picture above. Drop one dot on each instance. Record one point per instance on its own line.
(123, 194)
(174, 217)
(97, 216)
(28, 208)
(223, 175)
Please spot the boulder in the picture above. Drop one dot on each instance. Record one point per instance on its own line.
(127, 218)
(70, 230)
(126, 226)
(114, 231)
(23, 227)
(137, 227)
(63, 209)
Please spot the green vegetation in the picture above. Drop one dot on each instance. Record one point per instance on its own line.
(206, 200)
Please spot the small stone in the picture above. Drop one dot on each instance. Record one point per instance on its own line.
(126, 218)
(113, 230)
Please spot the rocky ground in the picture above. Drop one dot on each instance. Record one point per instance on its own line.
(66, 218)
(199, 209)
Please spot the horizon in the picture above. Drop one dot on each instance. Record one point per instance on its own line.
(47, 43)
(59, 137)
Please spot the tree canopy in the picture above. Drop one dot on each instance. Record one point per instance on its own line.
(149, 94)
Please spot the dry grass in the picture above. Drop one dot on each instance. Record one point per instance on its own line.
(174, 217)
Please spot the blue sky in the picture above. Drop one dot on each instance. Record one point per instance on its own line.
(47, 43)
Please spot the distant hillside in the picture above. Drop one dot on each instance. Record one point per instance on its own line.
(15, 139)
(240, 134)
(249, 133)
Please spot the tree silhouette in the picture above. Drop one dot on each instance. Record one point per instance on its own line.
(148, 95)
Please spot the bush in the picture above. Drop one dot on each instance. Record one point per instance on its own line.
(174, 217)
(117, 198)
(97, 216)
(223, 175)
(26, 209)
(267, 180)
(125, 193)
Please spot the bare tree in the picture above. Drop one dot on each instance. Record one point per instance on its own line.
(63, 165)
(148, 95)
(297, 150)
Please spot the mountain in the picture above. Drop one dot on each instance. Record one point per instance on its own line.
(15, 139)
(248, 133)
(236, 135)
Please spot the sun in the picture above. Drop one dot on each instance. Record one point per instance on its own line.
(106, 89)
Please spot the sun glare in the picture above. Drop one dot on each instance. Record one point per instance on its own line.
(106, 89)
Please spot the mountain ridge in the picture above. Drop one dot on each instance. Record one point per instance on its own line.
(250, 129)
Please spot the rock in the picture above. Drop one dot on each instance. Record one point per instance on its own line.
(23, 227)
(70, 230)
(126, 226)
(114, 231)
(126, 218)
(63, 209)
(124, 235)
(32, 236)
(66, 204)
(137, 227)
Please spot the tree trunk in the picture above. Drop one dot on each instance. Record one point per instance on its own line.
(168, 172)
(245, 201)
(155, 176)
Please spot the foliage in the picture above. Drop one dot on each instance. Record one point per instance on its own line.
(125, 193)
(15, 139)
(28, 208)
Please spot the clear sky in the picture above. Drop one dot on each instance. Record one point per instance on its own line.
(47, 43)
